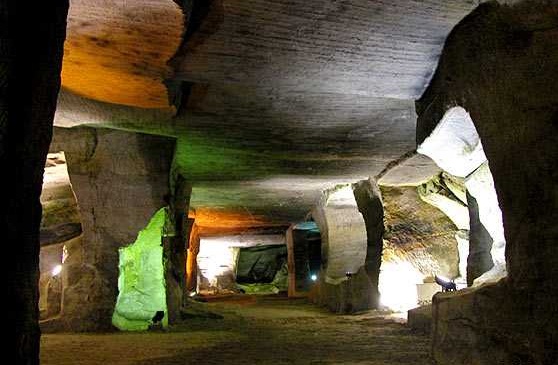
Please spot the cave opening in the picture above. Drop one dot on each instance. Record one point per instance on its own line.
(455, 146)
(307, 255)
(242, 264)
(60, 234)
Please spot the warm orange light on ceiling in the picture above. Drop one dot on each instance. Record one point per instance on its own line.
(117, 51)
(213, 221)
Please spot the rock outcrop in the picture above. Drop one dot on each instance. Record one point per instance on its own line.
(500, 64)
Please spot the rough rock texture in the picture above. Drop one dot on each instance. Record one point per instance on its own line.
(418, 233)
(420, 318)
(419, 242)
(500, 64)
(120, 180)
(31, 41)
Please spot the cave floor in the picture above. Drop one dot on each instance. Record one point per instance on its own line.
(254, 330)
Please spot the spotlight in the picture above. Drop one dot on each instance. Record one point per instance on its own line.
(314, 277)
(56, 270)
(446, 284)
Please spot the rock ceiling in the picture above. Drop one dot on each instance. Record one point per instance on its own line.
(273, 100)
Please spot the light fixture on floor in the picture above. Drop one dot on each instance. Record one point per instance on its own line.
(446, 284)
(56, 270)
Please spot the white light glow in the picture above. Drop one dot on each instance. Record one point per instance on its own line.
(398, 285)
(314, 277)
(56, 270)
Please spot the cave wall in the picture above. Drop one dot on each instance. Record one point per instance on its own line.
(31, 41)
(120, 180)
(500, 64)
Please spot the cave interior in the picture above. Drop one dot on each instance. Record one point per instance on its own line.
(286, 182)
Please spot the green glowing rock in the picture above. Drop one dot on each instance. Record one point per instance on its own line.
(141, 283)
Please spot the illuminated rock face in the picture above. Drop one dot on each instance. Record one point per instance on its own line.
(514, 111)
(456, 147)
(117, 51)
(218, 261)
(348, 280)
(419, 242)
(141, 283)
(60, 218)
(119, 186)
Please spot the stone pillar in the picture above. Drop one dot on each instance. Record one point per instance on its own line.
(369, 202)
(31, 47)
(120, 180)
(174, 249)
(291, 263)
(191, 257)
(345, 284)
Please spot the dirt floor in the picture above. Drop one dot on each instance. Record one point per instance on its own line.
(253, 331)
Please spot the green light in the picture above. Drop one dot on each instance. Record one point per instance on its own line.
(141, 283)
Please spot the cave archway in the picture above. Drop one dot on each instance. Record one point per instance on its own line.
(455, 146)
